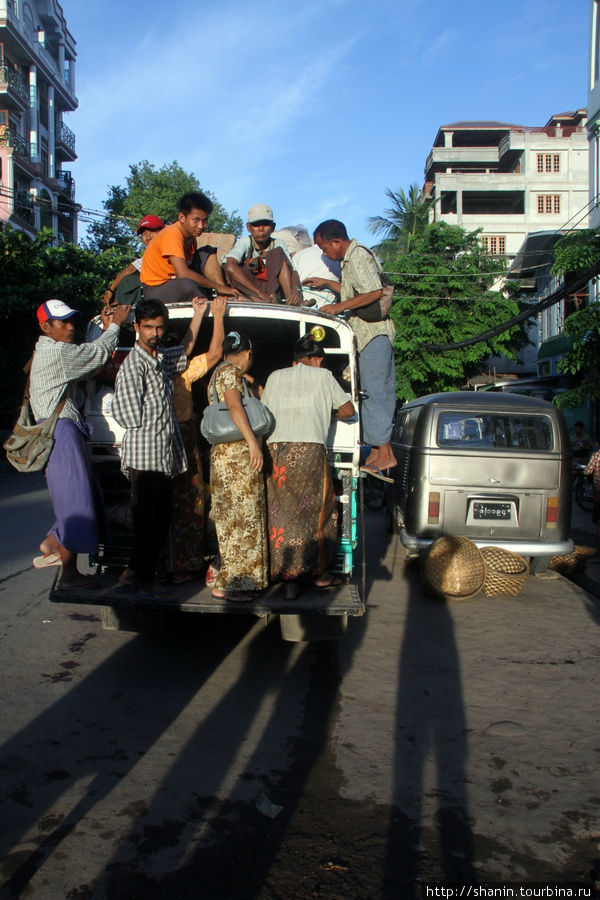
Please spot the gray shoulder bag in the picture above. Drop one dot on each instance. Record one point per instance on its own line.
(218, 427)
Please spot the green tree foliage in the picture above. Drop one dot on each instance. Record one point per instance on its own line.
(32, 271)
(152, 191)
(575, 253)
(406, 217)
(583, 357)
(114, 230)
(443, 294)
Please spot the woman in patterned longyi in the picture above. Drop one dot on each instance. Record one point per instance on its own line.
(236, 483)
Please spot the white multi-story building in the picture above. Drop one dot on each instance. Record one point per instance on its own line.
(37, 88)
(510, 180)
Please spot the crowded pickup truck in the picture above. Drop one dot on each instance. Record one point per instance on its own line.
(207, 441)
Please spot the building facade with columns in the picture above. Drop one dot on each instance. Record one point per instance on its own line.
(37, 90)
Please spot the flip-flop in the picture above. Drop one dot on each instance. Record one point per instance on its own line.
(150, 594)
(376, 472)
(335, 582)
(91, 584)
(47, 560)
(234, 598)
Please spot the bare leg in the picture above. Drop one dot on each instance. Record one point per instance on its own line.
(290, 285)
(213, 270)
(382, 457)
(67, 557)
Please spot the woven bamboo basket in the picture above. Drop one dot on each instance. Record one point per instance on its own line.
(505, 572)
(572, 562)
(454, 568)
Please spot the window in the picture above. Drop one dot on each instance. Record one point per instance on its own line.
(548, 203)
(494, 244)
(3, 117)
(44, 156)
(497, 430)
(43, 97)
(548, 162)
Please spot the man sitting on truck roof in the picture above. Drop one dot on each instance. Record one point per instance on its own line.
(173, 268)
(126, 285)
(259, 265)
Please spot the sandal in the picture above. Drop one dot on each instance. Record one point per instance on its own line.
(233, 598)
(376, 472)
(48, 559)
(335, 582)
(91, 583)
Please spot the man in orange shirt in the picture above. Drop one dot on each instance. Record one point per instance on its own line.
(172, 268)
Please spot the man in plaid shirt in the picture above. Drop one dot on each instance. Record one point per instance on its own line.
(152, 452)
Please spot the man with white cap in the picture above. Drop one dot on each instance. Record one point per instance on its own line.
(57, 368)
(259, 265)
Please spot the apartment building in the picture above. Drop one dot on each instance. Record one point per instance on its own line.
(510, 180)
(37, 89)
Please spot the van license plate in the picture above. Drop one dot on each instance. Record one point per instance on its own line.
(492, 511)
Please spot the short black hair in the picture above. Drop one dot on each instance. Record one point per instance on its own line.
(331, 229)
(307, 348)
(195, 200)
(236, 342)
(151, 309)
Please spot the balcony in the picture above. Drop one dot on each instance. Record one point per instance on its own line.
(10, 138)
(61, 80)
(66, 185)
(13, 88)
(64, 141)
(23, 207)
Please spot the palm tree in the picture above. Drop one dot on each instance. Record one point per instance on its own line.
(407, 216)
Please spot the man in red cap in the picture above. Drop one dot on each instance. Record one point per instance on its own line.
(57, 368)
(147, 229)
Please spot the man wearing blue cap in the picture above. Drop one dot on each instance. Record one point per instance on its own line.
(57, 368)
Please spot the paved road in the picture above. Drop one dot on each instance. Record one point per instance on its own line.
(434, 743)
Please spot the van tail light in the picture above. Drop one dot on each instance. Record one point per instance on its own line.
(551, 512)
(433, 510)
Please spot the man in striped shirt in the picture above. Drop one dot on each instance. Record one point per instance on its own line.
(58, 366)
(152, 452)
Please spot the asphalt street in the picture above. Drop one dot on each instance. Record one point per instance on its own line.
(436, 743)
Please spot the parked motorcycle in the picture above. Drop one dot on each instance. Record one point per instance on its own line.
(583, 487)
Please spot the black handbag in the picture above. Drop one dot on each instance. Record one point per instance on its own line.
(218, 427)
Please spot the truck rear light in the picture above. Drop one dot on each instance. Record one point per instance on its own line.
(551, 512)
(433, 511)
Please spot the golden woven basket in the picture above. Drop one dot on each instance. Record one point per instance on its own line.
(572, 562)
(454, 568)
(505, 572)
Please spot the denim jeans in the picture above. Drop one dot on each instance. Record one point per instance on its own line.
(378, 381)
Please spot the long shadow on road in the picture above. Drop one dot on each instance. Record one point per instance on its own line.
(430, 833)
(96, 734)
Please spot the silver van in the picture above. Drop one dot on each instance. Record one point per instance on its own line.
(494, 467)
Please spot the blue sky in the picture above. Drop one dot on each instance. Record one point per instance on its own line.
(314, 108)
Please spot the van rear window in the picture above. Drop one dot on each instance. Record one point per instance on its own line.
(495, 431)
